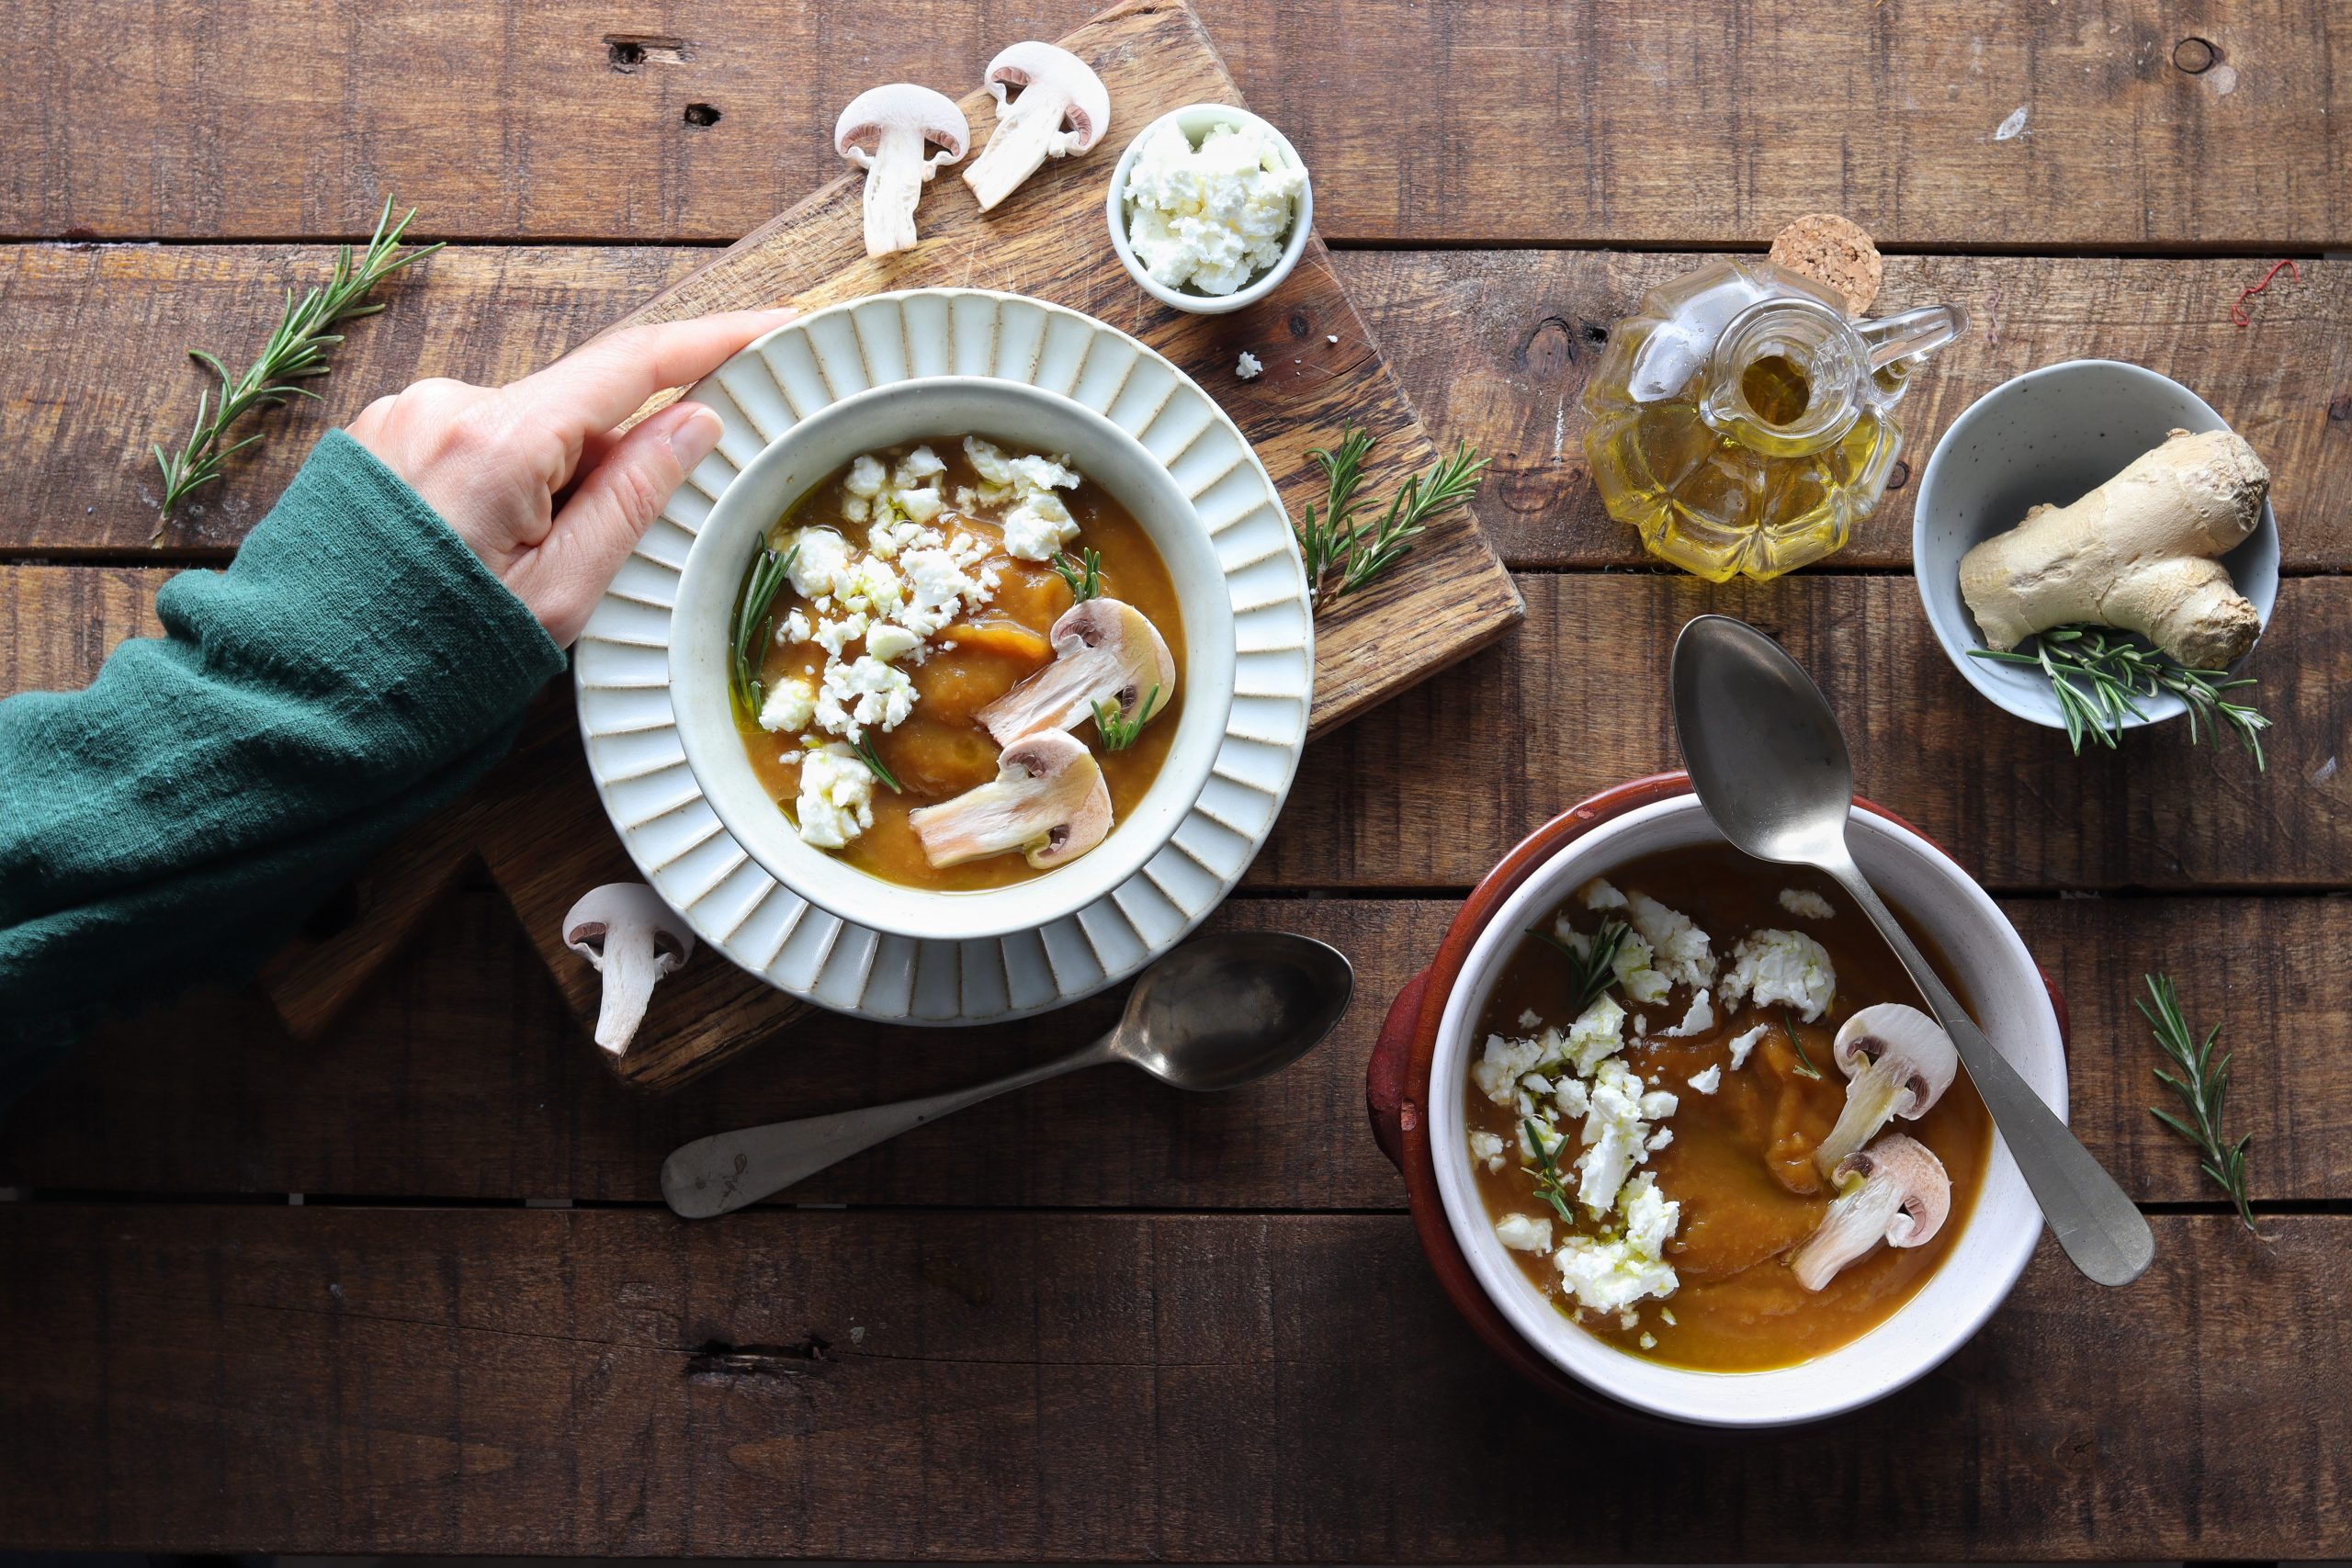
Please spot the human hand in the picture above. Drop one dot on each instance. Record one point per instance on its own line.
(534, 476)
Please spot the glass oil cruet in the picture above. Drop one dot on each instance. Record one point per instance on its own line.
(1742, 423)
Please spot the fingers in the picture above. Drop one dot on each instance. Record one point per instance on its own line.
(609, 511)
(602, 382)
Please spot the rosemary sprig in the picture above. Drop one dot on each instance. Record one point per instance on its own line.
(862, 748)
(2203, 1085)
(1804, 1063)
(1343, 554)
(1117, 732)
(1592, 970)
(296, 351)
(751, 622)
(2096, 675)
(1549, 1184)
(1083, 575)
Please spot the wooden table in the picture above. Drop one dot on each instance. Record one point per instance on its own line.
(412, 1290)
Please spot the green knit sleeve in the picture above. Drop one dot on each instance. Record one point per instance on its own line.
(354, 668)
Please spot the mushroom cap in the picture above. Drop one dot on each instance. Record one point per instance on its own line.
(1031, 66)
(1104, 651)
(1049, 799)
(1900, 1199)
(622, 905)
(1925, 1185)
(900, 106)
(1901, 1037)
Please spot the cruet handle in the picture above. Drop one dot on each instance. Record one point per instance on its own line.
(1913, 335)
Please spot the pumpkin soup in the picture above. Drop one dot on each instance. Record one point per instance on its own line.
(956, 664)
(1709, 1123)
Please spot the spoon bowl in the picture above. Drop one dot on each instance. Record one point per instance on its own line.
(1218, 1012)
(1771, 768)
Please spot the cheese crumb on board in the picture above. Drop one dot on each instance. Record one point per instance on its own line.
(1248, 366)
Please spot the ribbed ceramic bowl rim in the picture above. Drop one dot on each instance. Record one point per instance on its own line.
(724, 545)
(1114, 212)
(2004, 1214)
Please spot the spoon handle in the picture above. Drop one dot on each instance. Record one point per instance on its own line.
(721, 1173)
(2097, 1223)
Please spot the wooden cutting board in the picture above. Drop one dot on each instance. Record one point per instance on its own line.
(536, 823)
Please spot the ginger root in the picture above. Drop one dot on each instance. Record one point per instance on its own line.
(2136, 553)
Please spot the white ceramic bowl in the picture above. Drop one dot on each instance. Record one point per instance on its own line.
(2053, 435)
(1012, 414)
(1196, 120)
(1997, 977)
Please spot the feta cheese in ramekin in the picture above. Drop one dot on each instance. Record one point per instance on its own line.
(1209, 208)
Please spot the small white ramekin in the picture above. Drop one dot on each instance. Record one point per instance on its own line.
(1196, 121)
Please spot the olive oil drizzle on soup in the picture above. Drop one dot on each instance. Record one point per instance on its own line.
(1739, 1160)
(939, 750)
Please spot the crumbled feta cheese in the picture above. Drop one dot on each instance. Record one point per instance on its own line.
(1598, 1030)
(1488, 1150)
(1247, 366)
(1332, 337)
(1640, 1024)
(1708, 1082)
(887, 642)
(1658, 1140)
(1741, 1047)
(1038, 526)
(788, 706)
(921, 505)
(794, 629)
(1782, 967)
(1649, 1341)
(1598, 894)
(1210, 218)
(1570, 1097)
(863, 692)
(1612, 1137)
(1611, 1275)
(1805, 904)
(866, 476)
(1529, 1019)
(1698, 1019)
(836, 800)
(917, 465)
(1524, 1233)
(1498, 1071)
(1678, 950)
(819, 556)
(1631, 965)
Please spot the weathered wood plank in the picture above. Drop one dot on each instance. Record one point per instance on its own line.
(1495, 347)
(1429, 790)
(1090, 1387)
(1492, 347)
(1614, 122)
(460, 1074)
(1576, 702)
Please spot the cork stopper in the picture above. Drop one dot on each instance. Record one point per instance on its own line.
(1832, 249)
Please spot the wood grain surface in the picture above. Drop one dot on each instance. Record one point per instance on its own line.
(1489, 346)
(1614, 121)
(1021, 1385)
(1102, 1321)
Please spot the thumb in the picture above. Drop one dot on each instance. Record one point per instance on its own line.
(611, 507)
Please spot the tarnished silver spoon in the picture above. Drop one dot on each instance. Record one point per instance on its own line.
(1216, 1013)
(1769, 764)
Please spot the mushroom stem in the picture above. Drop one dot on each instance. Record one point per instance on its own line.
(1872, 1095)
(894, 185)
(1024, 136)
(1896, 1191)
(631, 966)
(1855, 1224)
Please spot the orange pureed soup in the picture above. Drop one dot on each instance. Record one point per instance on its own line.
(923, 588)
(1688, 1261)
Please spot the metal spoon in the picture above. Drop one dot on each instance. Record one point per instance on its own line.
(1214, 1014)
(1771, 767)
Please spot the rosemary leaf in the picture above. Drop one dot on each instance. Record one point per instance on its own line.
(2095, 674)
(1804, 1063)
(297, 350)
(1084, 575)
(863, 746)
(1592, 971)
(752, 619)
(1550, 1184)
(1343, 554)
(2203, 1085)
(1118, 733)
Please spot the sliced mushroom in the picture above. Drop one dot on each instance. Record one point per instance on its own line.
(1104, 651)
(632, 938)
(1047, 800)
(1898, 1062)
(886, 131)
(1063, 108)
(1898, 1194)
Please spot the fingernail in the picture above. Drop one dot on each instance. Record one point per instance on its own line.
(696, 436)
